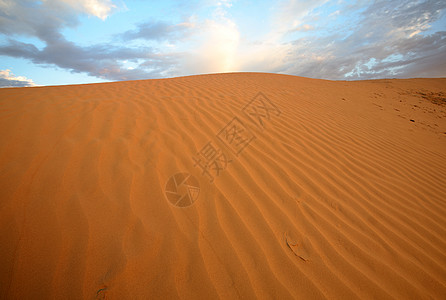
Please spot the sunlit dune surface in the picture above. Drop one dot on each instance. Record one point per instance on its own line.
(224, 186)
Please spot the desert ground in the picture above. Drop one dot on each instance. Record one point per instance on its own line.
(224, 186)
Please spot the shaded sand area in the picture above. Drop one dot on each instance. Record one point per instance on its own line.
(227, 186)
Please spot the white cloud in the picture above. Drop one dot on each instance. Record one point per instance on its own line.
(226, 3)
(293, 12)
(215, 44)
(47, 17)
(303, 27)
(8, 79)
(220, 46)
(98, 8)
(381, 29)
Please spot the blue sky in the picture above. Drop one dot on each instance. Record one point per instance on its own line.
(55, 42)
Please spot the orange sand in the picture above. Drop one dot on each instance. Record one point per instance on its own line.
(338, 194)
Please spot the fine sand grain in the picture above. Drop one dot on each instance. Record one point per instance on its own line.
(313, 189)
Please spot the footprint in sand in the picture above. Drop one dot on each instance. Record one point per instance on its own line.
(101, 293)
(297, 248)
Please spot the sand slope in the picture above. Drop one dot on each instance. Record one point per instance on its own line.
(326, 189)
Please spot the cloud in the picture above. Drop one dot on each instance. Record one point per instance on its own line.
(215, 48)
(303, 27)
(45, 21)
(7, 79)
(100, 60)
(159, 31)
(42, 18)
(292, 12)
(98, 8)
(387, 39)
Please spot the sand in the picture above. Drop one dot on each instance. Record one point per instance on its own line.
(230, 186)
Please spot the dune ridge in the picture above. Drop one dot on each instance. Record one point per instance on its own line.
(340, 195)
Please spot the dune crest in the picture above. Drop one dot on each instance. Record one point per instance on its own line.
(239, 185)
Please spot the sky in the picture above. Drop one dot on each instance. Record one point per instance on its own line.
(57, 42)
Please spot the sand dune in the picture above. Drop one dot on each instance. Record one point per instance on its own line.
(244, 185)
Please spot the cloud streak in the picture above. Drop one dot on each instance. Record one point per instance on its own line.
(158, 31)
